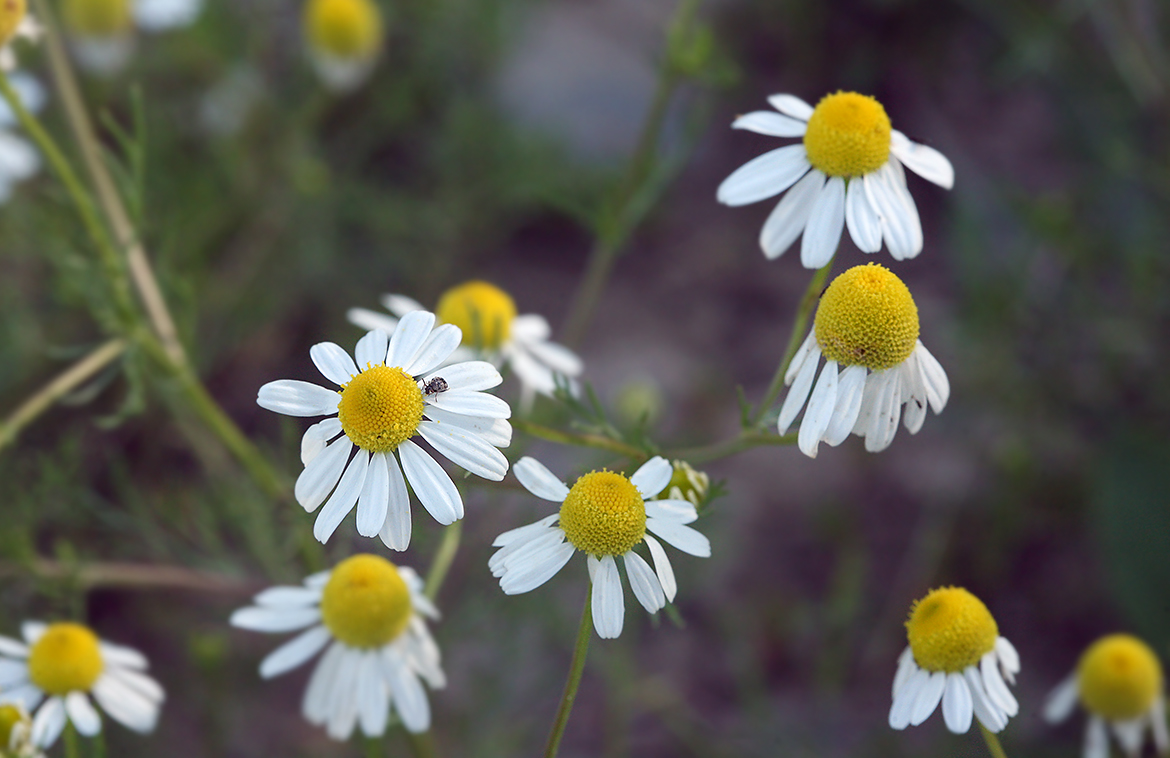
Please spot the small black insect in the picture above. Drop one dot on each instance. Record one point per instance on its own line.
(435, 386)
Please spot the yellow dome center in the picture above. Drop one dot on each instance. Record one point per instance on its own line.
(366, 603)
(97, 18)
(10, 716)
(1119, 677)
(848, 135)
(868, 318)
(604, 514)
(344, 28)
(950, 629)
(65, 659)
(11, 14)
(483, 311)
(380, 408)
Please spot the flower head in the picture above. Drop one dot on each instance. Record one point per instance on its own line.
(604, 515)
(866, 327)
(957, 657)
(686, 484)
(12, 15)
(370, 614)
(101, 32)
(67, 662)
(847, 172)
(16, 733)
(344, 38)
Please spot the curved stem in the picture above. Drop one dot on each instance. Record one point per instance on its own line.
(443, 559)
(745, 441)
(579, 439)
(576, 668)
(992, 741)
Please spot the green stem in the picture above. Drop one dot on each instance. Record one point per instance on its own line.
(579, 439)
(422, 745)
(811, 295)
(745, 441)
(992, 741)
(72, 744)
(576, 668)
(443, 558)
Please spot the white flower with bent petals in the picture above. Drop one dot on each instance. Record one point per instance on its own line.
(370, 614)
(957, 657)
(604, 515)
(68, 663)
(19, 160)
(16, 733)
(387, 398)
(1119, 682)
(866, 327)
(101, 32)
(847, 172)
(491, 330)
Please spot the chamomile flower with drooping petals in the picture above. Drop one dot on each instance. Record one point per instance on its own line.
(68, 663)
(604, 515)
(1119, 682)
(957, 657)
(16, 733)
(370, 614)
(344, 38)
(385, 400)
(101, 32)
(847, 172)
(493, 331)
(866, 327)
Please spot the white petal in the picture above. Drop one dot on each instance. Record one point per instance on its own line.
(410, 699)
(396, 529)
(885, 411)
(11, 674)
(526, 551)
(790, 216)
(1158, 725)
(372, 348)
(819, 413)
(526, 532)
(468, 376)
(471, 404)
(286, 597)
(322, 474)
(137, 682)
(293, 397)
(557, 357)
(906, 667)
(373, 698)
(349, 489)
(372, 321)
(437, 349)
(928, 697)
(494, 431)
(11, 647)
(333, 362)
(925, 161)
(865, 226)
(125, 705)
(905, 697)
(161, 15)
(822, 234)
(799, 390)
(652, 476)
(938, 389)
(344, 714)
(316, 704)
(684, 538)
(1062, 700)
(900, 225)
(33, 630)
(294, 652)
(413, 330)
(850, 390)
(465, 449)
(764, 176)
(791, 105)
(986, 711)
(275, 620)
(682, 511)
(82, 714)
(538, 480)
(317, 436)
(375, 496)
(771, 124)
(644, 583)
(662, 567)
(997, 691)
(799, 357)
(1129, 734)
(530, 327)
(609, 604)
(956, 704)
(48, 722)
(538, 569)
(431, 484)
(400, 305)
(1096, 739)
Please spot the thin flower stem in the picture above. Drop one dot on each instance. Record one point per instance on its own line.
(576, 668)
(373, 747)
(443, 559)
(745, 441)
(422, 745)
(132, 576)
(799, 325)
(992, 741)
(579, 439)
(68, 381)
(72, 744)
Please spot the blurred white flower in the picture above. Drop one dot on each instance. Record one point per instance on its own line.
(344, 38)
(19, 160)
(101, 32)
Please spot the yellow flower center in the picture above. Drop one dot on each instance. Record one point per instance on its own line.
(380, 408)
(686, 484)
(848, 135)
(97, 18)
(604, 514)
(950, 629)
(65, 659)
(483, 311)
(344, 28)
(10, 716)
(11, 14)
(1119, 677)
(867, 318)
(365, 603)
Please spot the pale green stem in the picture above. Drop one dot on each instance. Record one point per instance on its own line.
(72, 744)
(745, 441)
(992, 741)
(578, 439)
(422, 745)
(576, 668)
(443, 558)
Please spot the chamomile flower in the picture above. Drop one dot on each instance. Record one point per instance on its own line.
(15, 23)
(19, 160)
(847, 172)
(1119, 682)
(370, 614)
(101, 32)
(344, 38)
(604, 515)
(491, 330)
(686, 484)
(955, 656)
(381, 406)
(866, 327)
(16, 733)
(67, 663)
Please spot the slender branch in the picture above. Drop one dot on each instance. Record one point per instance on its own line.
(579, 439)
(576, 668)
(132, 576)
(745, 441)
(443, 559)
(992, 741)
(72, 743)
(422, 745)
(65, 383)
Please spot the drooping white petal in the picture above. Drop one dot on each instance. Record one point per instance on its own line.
(139, 683)
(956, 705)
(799, 357)
(1096, 738)
(333, 362)
(48, 722)
(316, 704)
(375, 496)
(530, 327)
(322, 474)
(395, 532)
(400, 305)
(906, 667)
(431, 484)
(644, 583)
(938, 388)
(770, 124)
(662, 567)
(682, 511)
(986, 711)
(126, 705)
(819, 413)
(822, 234)
(465, 449)
(764, 176)
(791, 105)
(1158, 725)
(82, 714)
(850, 390)
(343, 717)
(317, 436)
(413, 330)
(997, 690)
(901, 226)
(798, 393)
(1129, 734)
(538, 480)
(683, 537)
(861, 218)
(294, 652)
(478, 404)
(790, 216)
(409, 697)
(905, 697)
(925, 161)
(373, 696)
(274, 620)
(652, 476)
(436, 350)
(494, 431)
(343, 499)
(608, 602)
(371, 349)
(285, 597)
(372, 321)
(928, 698)
(293, 397)
(1062, 700)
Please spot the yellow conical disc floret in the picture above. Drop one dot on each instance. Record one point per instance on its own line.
(11, 14)
(1119, 677)
(604, 514)
(346, 29)
(867, 318)
(67, 658)
(950, 629)
(366, 603)
(380, 408)
(483, 311)
(97, 18)
(848, 135)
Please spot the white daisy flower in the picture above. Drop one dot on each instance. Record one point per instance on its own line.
(344, 38)
(605, 515)
(67, 662)
(392, 394)
(847, 172)
(955, 656)
(19, 160)
(866, 327)
(16, 23)
(369, 613)
(492, 331)
(16, 733)
(1119, 682)
(101, 32)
